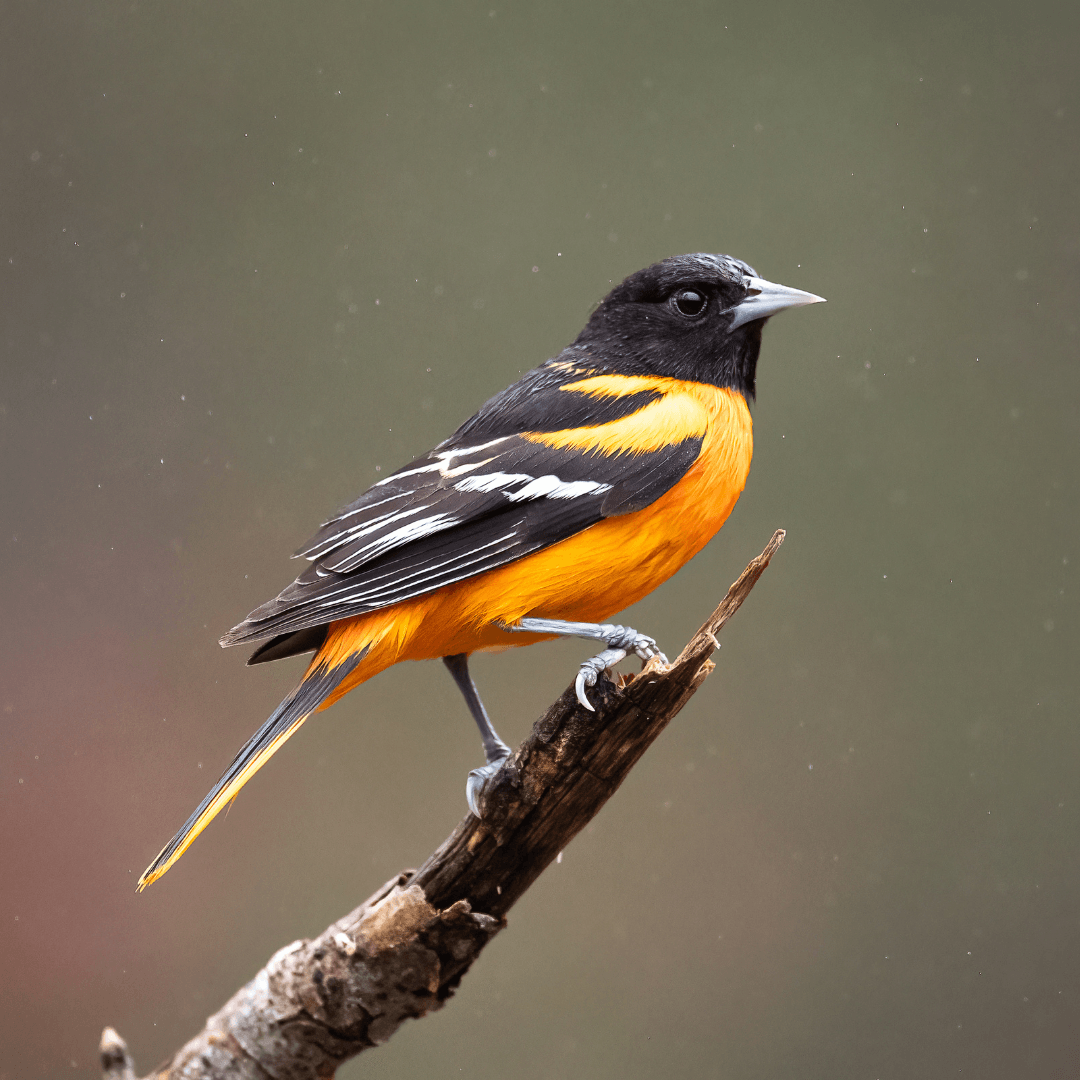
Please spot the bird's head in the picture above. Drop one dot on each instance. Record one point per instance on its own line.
(693, 317)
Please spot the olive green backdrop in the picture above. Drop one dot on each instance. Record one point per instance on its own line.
(251, 253)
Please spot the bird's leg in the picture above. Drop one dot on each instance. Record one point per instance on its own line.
(620, 641)
(495, 750)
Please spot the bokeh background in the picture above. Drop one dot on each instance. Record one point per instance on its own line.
(251, 253)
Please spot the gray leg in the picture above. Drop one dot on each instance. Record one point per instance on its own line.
(495, 750)
(620, 640)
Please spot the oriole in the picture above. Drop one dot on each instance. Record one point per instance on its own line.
(566, 498)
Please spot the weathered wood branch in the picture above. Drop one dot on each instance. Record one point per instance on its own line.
(403, 951)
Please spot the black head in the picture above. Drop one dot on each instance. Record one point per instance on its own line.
(692, 317)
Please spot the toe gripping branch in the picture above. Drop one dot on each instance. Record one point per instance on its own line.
(620, 641)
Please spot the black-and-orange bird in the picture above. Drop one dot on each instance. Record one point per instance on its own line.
(566, 498)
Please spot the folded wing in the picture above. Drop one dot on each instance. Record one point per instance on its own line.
(510, 482)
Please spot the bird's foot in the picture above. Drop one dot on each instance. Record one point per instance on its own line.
(621, 640)
(477, 781)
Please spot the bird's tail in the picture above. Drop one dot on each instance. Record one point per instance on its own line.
(329, 669)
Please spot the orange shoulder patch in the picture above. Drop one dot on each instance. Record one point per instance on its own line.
(685, 411)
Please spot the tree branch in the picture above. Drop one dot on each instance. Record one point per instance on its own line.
(402, 952)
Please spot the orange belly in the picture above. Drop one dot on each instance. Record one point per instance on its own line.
(587, 577)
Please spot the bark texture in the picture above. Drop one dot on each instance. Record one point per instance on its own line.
(403, 951)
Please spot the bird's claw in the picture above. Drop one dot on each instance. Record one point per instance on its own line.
(477, 781)
(591, 670)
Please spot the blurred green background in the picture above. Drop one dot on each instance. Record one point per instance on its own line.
(251, 252)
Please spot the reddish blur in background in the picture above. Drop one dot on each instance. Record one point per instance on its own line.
(251, 254)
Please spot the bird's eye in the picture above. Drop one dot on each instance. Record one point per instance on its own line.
(689, 302)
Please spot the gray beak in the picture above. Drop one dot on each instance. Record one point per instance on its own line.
(767, 298)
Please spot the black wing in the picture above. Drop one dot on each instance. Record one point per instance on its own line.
(485, 497)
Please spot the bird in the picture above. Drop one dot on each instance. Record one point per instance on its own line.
(566, 498)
